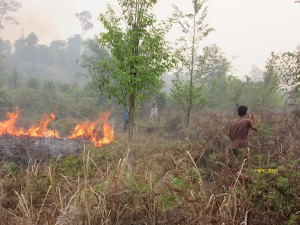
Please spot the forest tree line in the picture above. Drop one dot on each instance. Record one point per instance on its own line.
(134, 66)
(61, 67)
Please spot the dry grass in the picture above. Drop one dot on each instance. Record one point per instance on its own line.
(165, 180)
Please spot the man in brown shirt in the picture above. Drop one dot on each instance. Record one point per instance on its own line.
(238, 129)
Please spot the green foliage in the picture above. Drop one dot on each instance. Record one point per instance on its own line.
(271, 90)
(177, 182)
(225, 92)
(288, 64)
(163, 185)
(276, 192)
(58, 61)
(14, 80)
(139, 53)
(292, 220)
(49, 85)
(181, 93)
(69, 102)
(213, 64)
(37, 186)
(167, 200)
(267, 131)
(33, 83)
(93, 53)
(71, 165)
(187, 93)
(235, 89)
(214, 70)
(161, 99)
(135, 184)
(216, 92)
(12, 169)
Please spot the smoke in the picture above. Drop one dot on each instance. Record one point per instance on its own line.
(51, 20)
(249, 29)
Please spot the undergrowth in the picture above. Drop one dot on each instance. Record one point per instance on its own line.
(166, 178)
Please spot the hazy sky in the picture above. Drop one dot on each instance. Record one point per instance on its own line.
(247, 31)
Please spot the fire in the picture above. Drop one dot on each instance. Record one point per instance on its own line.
(87, 130)
(91, 130)
(39, 130)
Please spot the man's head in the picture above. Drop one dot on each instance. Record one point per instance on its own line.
(242, 110)
(153, 105)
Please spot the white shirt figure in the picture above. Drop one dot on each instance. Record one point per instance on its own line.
(154, 113)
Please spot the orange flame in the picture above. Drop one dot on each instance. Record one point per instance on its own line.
(88, 130)
(91, 131)
(40, 130)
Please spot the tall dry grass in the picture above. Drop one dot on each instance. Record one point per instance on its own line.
(167, 179)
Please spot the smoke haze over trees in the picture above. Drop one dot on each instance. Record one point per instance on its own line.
(27, 63)
(58, 61)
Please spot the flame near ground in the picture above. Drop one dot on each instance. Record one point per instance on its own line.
(92, 130)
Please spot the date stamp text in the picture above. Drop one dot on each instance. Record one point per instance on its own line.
(269, 170)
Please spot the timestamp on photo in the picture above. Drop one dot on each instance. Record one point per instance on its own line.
(268, 170)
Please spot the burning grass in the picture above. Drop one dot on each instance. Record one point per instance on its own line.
(98, 132)
(165, 179)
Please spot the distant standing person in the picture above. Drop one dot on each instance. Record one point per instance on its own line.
(238, 131)
(154, 113)
(125, 120)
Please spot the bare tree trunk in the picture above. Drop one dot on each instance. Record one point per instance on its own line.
(189, 110)
(188, 117)
(190, 106)
(131, 116)
(132, 96)
(129, 156)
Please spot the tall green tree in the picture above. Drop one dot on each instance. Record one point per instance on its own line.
(214, 69)
(92, 54)
(214, 64)
(271, 95)
(194, 29)
(235, 90)
(139, 54)
(268, 90)
(182, 92)
(289, 65)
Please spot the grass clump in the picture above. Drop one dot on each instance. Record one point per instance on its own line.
(166, 179)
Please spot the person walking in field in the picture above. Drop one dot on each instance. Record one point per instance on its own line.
(154, 113)
(238, 131)
(125, 120)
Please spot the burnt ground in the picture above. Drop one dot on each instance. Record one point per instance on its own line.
(26, 150)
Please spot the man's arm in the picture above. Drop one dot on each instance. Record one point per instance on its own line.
(254, 122)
